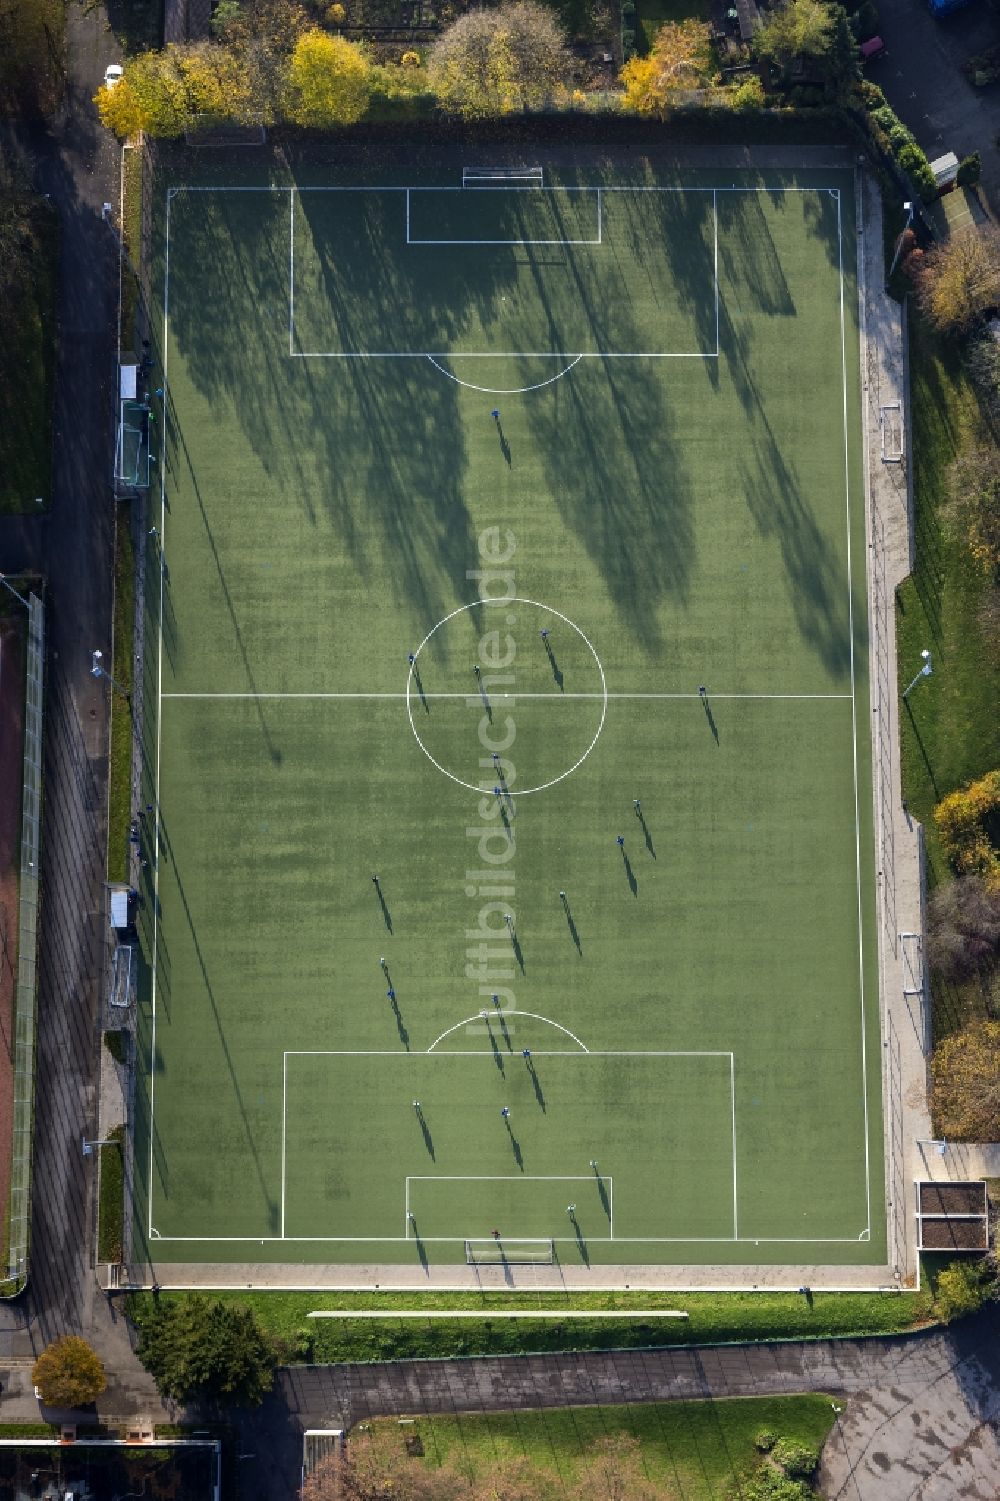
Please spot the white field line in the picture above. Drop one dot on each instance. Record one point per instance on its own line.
(504, 697)
(159, 720)
(284, 1121)
(585, 1178)
(732, 1095)
(503, 1313)
(291, 272)
(559, 1240)
(854, 718)
(715, 262)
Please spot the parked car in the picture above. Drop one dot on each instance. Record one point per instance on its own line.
(113, 75)
(873, 48)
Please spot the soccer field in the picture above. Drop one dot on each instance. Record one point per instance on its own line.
(507, 722)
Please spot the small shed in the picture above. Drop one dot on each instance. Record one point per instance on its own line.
(119, 908)
(945, 169)
(953, 1217)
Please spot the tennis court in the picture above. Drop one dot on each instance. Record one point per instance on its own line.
(508, 722)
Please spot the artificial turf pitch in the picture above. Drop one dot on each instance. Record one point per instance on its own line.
(682, 507)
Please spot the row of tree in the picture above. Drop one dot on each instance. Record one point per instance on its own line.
(271, 62)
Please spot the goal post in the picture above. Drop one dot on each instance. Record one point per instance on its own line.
(891, 425)
(209, 130)
(485, 177)
(494, 1252)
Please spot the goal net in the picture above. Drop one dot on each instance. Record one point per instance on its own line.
(132, 456)
(509, 1252)
(891, 422)
(122, 975)
(206, 130)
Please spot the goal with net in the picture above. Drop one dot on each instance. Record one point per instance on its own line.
(495, 1252)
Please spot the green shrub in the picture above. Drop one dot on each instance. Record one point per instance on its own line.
(961, 1288)
(970, 169)
(765, 1441)
(797, 1460)
(116, 1043)
(870, 94)
(769, 1484)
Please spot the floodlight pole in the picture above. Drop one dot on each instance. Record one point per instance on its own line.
(899, 243)
(924, 672)
(11, 590)
(88, 1146)
(97, 671)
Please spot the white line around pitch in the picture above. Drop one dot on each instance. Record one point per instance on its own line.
(513, 697)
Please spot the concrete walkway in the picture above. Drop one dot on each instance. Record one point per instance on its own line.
(919, 1419)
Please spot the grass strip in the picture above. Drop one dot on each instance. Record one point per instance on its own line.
(699, 1450)
(714, 1318)
(132, 163)
(949, 729)
(111, 1205)
(120, 763)
(27, 355)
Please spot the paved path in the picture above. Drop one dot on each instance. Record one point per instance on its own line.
(76, 163)
(919, 1418)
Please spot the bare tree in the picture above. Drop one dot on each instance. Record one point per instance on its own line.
(959, 279)
(493, 62)
(963, 927)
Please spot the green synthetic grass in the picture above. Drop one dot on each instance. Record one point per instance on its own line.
(701, 1448)
(120, 754)
(713, 1318)
(27, 362)
(670, 522)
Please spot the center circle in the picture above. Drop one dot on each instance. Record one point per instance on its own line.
(538, 669)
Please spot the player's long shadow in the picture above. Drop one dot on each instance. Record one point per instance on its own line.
(497, 1055)
(605, 1201)
(536, 1084)
(420, 688)
(515, 1147)
(421, 1252)
(506, 1034)
(428, 1138)
(633, 884)
(556, 670)
(573, 930)
(711, 718)
(504, 445)
(404, 1036)
(646, 834)
(386, 914)
(515, 944)
(581, 1244)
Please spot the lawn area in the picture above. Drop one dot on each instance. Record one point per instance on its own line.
(652, 14)
(714, 1318)
(111, 1209)
(120, 758)
(950, 729)
(702, 1449)
(27, 351)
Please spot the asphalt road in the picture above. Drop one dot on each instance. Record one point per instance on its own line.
(923, 81)
(75, 162)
